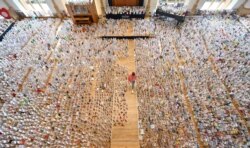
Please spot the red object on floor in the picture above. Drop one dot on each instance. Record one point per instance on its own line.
(14, 56)
(58, 105)
(46, 137)
(13, 94)
(83, 29)
(78, 142)
(5, 13)
(32, 139)
(39, 90)
(22, 142)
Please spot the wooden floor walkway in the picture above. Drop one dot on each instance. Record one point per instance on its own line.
(127, 136)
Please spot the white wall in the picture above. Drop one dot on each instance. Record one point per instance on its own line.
(190, 3)
(200, 4)
(50, 4)
(12, 4)
(238, 4)
(153, 5)
(61, 5)
(247, 5)
(2, 4)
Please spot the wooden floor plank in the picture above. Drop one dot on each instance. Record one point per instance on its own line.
(25, 78)
(50, 76)
(127, 136)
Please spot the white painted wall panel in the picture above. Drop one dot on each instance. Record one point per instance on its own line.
(2, 4)
(247, 5)
(238, 4)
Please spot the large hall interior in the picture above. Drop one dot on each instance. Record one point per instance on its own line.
(125, 73)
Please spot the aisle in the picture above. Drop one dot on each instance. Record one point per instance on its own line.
(127, 136)
(25, 78)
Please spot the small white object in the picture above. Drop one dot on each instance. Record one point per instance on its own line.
(140, 137)
(142, 132)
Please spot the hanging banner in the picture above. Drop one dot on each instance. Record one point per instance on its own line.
(5, 13)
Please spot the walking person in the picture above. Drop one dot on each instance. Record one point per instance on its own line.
(131, 79)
